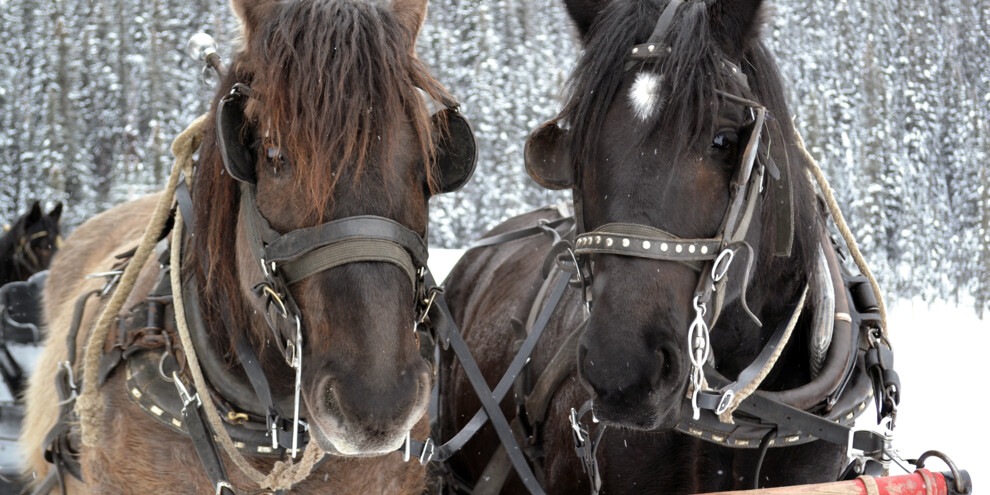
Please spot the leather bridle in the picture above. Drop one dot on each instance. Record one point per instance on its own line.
(289, 258)
(711, 257)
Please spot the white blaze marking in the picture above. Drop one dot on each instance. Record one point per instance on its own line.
(644, 94)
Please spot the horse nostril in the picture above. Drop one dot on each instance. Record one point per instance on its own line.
(667, 364)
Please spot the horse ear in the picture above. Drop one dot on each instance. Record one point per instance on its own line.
(584, 13)
(252, 13)
(548, 160)
(35, 214)
(56, 212)
(737, 23)
(411, 15)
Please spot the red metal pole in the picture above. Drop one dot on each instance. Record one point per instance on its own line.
(921, 482)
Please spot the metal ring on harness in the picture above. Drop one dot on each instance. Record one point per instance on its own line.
(961, 485)
(274, 295)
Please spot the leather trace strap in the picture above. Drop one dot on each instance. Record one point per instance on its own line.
(202, 438)
(449, 336)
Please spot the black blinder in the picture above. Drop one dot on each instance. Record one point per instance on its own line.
(456, 154)
(238, 159)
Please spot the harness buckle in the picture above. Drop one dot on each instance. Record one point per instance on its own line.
(71, 381)
(236, 418)
(273, 296)
(184, 392)
(428, 444)
(725, 401)
(428, 304)
(722, 263)
(224, 484)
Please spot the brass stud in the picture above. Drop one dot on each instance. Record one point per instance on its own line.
(176, 423)
(157, 411)
(635, 50)
(742, 443)
(695, 432)
(651, 48)
(793, 438)
(136, 393)
(718, 438)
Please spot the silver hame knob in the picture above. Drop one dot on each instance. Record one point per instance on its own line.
(201, 46)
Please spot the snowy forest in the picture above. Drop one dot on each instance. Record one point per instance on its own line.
(892, 98)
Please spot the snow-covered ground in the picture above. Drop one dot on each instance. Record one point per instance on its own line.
(942, 354)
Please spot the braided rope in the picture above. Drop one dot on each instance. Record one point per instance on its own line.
(89, 405)
(726, 416)
(284, 474)
(840, 222)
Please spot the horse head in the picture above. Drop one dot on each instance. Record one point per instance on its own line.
(324, 134)
(673, 139)
(32, 240)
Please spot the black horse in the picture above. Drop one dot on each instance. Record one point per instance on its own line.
(27, 247)
(689, 186)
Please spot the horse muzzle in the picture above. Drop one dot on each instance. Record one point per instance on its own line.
(351, 418)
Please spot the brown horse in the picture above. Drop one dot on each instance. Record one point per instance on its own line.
(655, 140)
(335, 125)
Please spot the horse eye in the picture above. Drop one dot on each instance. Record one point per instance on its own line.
(275, 157)
(725, 141)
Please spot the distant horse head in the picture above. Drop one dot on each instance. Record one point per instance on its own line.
(28, 246)
(327, 119)
(673, 162)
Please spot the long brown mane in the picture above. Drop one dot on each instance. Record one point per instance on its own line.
(331, 81)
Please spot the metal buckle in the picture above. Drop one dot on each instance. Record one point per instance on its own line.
(428, 303)
(272, 295)
(223, 484)
(236, 418)
(580, 434)
(72, 383)
(112, 278)
(725, 401)
(429, 443)
(718, 269)
(184, 392)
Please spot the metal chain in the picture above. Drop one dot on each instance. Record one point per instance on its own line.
(699, 344)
